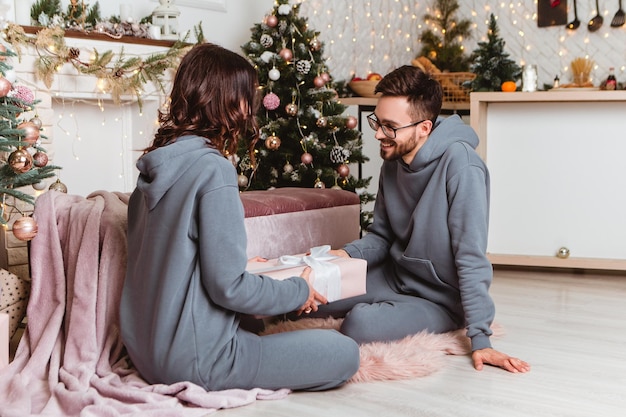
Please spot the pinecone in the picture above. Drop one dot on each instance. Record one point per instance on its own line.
(303, 67)
(73, 53)
(266, 40)
(339, 155)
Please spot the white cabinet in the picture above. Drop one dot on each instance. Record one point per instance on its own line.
(558, 176)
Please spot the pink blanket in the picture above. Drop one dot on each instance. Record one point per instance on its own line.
(71, 361)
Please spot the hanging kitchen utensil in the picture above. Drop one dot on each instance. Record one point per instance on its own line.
(573, 25)
(620, 17)
(596, 22)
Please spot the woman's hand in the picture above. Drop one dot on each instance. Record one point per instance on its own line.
(493, 357)
(257, 259)
(314, 297)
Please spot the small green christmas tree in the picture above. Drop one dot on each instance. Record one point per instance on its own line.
(24, 162)
(491, 64)
(305, 138)
(443, 45)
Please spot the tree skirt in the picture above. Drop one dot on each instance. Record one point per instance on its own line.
(412, 357)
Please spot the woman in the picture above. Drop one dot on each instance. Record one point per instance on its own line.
(186, 286)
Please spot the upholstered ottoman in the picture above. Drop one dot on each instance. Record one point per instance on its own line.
(287, 221)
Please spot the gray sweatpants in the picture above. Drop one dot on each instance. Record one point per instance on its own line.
(384, 315)
(312, 360)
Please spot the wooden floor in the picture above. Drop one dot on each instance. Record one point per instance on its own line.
(571, 327)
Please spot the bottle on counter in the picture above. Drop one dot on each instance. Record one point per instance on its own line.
(611, 82)
(556, 83)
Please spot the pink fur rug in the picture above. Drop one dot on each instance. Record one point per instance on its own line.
(412, 357)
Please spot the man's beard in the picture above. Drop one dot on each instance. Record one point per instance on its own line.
(396, 150)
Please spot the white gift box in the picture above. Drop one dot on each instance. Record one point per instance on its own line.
(331, 276)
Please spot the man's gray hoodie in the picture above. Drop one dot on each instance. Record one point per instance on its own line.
(430, 228)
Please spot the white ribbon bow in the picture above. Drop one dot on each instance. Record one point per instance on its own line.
(327, 274)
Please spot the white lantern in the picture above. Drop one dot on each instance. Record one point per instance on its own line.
(166, 17)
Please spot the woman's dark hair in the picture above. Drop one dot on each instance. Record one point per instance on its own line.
(214, 95)
(422, 91)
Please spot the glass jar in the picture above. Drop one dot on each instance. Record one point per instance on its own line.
(529, 78)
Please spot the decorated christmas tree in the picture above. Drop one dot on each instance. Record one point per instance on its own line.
(491, 64)
(442, 41)
(305, 138)
(23, 162)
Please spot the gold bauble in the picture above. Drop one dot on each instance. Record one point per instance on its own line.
(322, 122)
(272, 142)
(563, 253)
(291, 109)
(58, 186)
(20, 161)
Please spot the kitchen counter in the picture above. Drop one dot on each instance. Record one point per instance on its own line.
(558, 176)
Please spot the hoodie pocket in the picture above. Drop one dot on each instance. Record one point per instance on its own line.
(419, 276)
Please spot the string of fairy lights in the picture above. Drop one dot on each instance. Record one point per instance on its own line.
(376, 36)
(361, 37)
(68, 128)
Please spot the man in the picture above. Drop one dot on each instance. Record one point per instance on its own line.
(427, 268)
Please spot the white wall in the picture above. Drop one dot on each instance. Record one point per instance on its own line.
(360, 36)
(228, 28)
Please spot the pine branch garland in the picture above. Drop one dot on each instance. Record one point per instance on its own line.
(122, 75)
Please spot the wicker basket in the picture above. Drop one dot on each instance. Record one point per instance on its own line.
(364, 88)
(454, 85)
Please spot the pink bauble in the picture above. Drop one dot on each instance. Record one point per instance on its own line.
(343, 170)
(25, 94)
(5, 87)
(271, 21)
(271, 101)
(31, 132)
(286, 54)
(306, 158)
(25, 228)
(351, 122)
(325, 76)
(40, 159)
(319, 82)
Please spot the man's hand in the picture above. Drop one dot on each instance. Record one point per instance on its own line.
(339, 252)
(314, 296)
(493, 357)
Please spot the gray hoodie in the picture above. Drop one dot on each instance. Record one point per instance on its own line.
(430, 227)
(186, 280)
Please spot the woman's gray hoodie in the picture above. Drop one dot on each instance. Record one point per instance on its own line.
(186, 280)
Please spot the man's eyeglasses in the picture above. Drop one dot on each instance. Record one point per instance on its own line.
(388, 131)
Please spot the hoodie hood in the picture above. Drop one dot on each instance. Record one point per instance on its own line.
(154, 180)
(446, 131)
